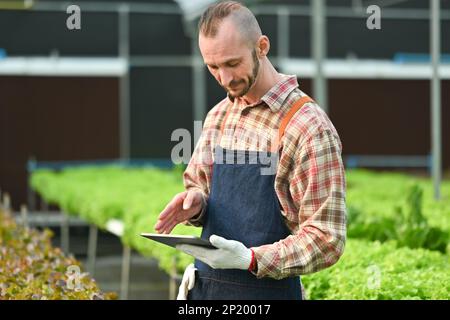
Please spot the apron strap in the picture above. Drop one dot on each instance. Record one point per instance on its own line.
(295, 107)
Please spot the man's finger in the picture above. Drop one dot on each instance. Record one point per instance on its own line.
(172, 225)
(170, 228)
(220, 242)
(187, 203)
(173, 205)
(169, 225)
(159, 224)
(186, 248)
(162, 225)
(168, 209)
(198, 252)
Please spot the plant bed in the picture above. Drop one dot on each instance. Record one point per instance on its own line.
(397, 232)
(31, 269)
(382, 271)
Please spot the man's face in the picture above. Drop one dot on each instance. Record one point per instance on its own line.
(230, 60)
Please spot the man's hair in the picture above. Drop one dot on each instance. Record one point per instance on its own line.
(243, 19)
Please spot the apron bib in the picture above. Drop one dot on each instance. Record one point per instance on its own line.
(243, 206)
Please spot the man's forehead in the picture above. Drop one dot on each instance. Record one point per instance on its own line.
(216, 50)
(221, 42)
(220, 58)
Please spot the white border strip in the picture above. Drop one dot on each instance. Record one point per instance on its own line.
(108, 67)
(362, 69)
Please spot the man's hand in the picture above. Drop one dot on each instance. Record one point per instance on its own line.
(182, 207)
(230, 254)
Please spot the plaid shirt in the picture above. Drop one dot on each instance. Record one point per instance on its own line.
(309, 182)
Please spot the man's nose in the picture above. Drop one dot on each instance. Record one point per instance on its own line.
(225, 77)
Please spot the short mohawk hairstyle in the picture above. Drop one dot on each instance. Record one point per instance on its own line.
(213, 16)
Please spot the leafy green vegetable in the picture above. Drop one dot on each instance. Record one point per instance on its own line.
(374, 270)
(408, 225)
(30, 268)
(396, 211)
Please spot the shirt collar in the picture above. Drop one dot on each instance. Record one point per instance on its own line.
(276, 96)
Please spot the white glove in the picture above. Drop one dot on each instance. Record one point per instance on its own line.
(187, 283)
(230, 254)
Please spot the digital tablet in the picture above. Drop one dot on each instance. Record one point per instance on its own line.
(174, 240)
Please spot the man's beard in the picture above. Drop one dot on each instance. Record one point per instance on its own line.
(251, 79)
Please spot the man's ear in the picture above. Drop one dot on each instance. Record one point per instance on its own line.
(263, 46)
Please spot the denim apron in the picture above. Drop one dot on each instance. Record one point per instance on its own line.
(243, 206)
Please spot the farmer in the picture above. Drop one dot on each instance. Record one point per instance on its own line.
(270, 223)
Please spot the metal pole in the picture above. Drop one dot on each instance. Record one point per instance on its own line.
(6, 202)
(320, 90)
(435, 37)
(199, 82)
(124, 83)
(65, 236)
(173, 280)
(283, 33)
(24, 215)
(92, 248)
(31, 195)
(125, 278)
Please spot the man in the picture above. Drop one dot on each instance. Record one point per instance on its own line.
(268, 228)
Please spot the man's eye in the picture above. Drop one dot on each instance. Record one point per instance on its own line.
(234, 64)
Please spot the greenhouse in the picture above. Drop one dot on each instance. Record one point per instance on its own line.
(123, 118)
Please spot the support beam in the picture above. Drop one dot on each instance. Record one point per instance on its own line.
(92, 249)
(125, 277)
(65, 233)
(283, 33)
(198, 83)
(436, 146)
(124, 83)
(320, 90)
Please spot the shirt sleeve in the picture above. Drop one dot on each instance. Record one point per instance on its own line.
(317, 187)
(197, 175)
